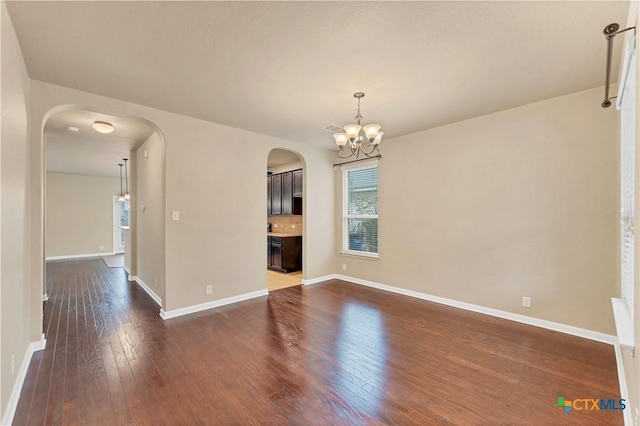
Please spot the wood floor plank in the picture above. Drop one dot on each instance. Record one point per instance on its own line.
(334, 353)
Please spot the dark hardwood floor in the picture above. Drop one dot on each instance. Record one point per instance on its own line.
(333, 353)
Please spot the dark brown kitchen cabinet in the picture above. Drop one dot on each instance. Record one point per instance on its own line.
(297, 183)
(284, 253)
(287, 193)
(276, 253)
(284, 193)
(268, 194)
(276, 194)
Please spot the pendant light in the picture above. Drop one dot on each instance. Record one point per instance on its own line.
(121, 196)
(127, 195)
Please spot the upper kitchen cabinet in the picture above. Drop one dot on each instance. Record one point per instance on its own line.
(284, 193)
(268, 193)
(276, 194)
(287, 193)
(297, 183)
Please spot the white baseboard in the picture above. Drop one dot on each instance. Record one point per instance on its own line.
(549, 325)
(126, 269)
(319, 279)
(147, 289)
(210, 305)
(10, 411)
(78, 256)
(624, 390)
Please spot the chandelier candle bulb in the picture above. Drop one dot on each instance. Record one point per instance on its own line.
(341, 139)
(378, 138)
(371, 131)
(352, 131)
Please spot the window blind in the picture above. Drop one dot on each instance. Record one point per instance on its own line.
(361, 218)
(627, 184)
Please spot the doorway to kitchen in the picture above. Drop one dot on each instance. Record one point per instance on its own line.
(285, 219)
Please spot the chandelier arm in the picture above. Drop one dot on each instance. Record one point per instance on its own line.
(350, 153)
(373, 154)
(366, 151)
(344, 156)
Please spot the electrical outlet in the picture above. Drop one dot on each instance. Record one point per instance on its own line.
(209, 289)
(526, 301)
(175, 215)
(344, 266)
(13, 365)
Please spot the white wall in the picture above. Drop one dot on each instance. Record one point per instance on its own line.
(215, 177)
(516, 203)
(79, 212)
(16, 316)
(149, 205)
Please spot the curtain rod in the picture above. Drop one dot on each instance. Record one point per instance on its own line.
(610, 31)
(356, 161)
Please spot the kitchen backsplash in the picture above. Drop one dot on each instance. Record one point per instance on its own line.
(286, 224)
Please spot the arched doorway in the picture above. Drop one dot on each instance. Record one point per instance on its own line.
(285, 219)
(82, 214)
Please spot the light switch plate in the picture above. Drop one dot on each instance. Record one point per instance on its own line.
(175, 215)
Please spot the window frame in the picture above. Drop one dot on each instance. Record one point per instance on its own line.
(345, 251)
(624, 308)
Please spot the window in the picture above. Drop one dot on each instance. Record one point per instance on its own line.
(626, 104)
(624, 308)
(360, 225)
(120, 223)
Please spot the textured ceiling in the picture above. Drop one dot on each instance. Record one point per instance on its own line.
(288, 69)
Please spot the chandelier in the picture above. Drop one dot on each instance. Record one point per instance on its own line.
(361, 140)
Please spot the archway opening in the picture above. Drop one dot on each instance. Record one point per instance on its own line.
(82, 183)
(285, 219)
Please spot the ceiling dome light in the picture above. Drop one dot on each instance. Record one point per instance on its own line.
(103, 127)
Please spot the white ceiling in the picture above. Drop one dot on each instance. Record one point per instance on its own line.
(88, 152)
(288, 69)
